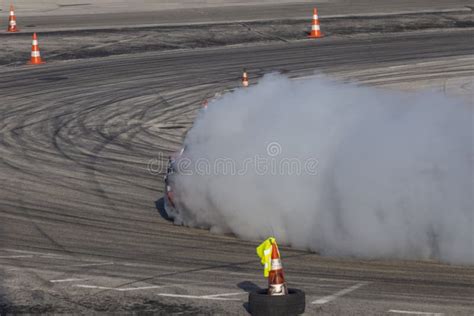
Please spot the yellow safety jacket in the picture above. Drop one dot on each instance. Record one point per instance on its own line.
(264, 251)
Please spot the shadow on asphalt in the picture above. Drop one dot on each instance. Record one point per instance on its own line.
(160, 206)
(248, 287)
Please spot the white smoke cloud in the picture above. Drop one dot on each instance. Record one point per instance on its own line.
(381, 174)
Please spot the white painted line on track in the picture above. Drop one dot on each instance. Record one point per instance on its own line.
(21, 251)
(65, 280)
(85, 286)
(16, 257)
(126, 289)
(49, 255)
(225, 294)
(414, 313)
(32, 252)
(334, 296)
(92, 264)
(199, 297)
(216, 297)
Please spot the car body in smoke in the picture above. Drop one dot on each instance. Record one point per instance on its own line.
(170, 204)
(169, 201)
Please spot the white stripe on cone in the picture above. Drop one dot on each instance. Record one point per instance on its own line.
(315, 17)
(35, 42)
(276, 264)
(315, 27)
(35, 54)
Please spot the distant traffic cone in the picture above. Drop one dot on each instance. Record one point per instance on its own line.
(205, 103)
(245, 79)
(315, 28)
(276, 279)
(35, 52)
(12, 27)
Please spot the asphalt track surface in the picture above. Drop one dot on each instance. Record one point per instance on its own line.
(81, 149)
(61, 15)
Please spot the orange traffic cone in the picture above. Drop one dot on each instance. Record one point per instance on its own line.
(12, 21)
(315, 29)
(205, 103)
(35, 52)
(276, 279)
(245, 79)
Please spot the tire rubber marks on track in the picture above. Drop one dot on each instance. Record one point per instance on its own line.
(31, 254)
(340, 293)
(19, 254)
